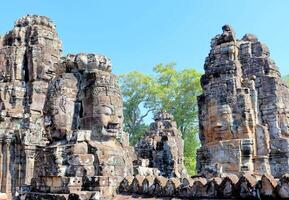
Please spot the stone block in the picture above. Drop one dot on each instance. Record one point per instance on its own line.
(3, 196)
(80, 171)
(81, 159)
(80, 148)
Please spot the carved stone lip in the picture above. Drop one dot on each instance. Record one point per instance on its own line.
(222, 128)
(112, 127)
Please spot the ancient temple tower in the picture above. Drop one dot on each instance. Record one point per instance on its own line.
(61, 119)
(243, 111)
(61, 124)
(27, 54)
(160, 151)
(88, 154)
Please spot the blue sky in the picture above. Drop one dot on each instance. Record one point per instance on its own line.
(137, 34)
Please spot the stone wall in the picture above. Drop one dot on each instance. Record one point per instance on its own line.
(227, 186)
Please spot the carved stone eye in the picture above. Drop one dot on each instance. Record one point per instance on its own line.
(213, 118)
(225, 115)
(104, 110)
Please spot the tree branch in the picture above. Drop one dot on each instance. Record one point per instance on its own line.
(146, 114)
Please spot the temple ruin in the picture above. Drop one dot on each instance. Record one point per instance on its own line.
(160, 151)
(62, 137)
(243, 111)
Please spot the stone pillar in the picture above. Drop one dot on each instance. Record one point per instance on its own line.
(29, 163)
(247, 148)
(6, 178)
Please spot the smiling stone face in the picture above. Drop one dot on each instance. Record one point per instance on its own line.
(102, 104)
(223, 122)
(217, 124)
(109, 118)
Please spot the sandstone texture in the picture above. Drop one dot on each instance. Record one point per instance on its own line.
(61, 119)
(61, 126)
(226, 186)
(88, 154)
(160, 152)
(27, 56)
(243, 111)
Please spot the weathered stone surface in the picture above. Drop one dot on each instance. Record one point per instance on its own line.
(61, 125)
(27, 54)
(3, 196)
(83, 121)
(160, 152)
(268, 184)
(247, 186)
(228, 186)
(125, 185)
(61, 119)
(282, 188)
(243, 113)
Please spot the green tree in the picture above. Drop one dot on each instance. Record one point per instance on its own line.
(167, 89)
(136, 93)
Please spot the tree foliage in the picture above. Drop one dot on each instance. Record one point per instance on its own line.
(169, 90)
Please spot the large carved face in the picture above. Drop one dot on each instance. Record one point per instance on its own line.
(109, 118)
(217, 125)
(102, 104)
(59, 106)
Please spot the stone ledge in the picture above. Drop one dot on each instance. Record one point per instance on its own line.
(226, 186)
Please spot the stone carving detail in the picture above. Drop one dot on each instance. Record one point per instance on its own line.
(61, 118)
(242, 111)
(27, 54)
(227, 186)
(83, 119)
(61, 125)
(160, 152)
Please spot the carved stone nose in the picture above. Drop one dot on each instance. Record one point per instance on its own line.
(218, 124)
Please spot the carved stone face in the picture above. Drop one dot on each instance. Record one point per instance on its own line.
(45, 71)
(59, 106)
(109, 118)
(217, 125)
(102, 105)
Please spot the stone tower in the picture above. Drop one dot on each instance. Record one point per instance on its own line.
(61, 128)
(160, 151)
(27, 54)
(88, 154)
(243, 111)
